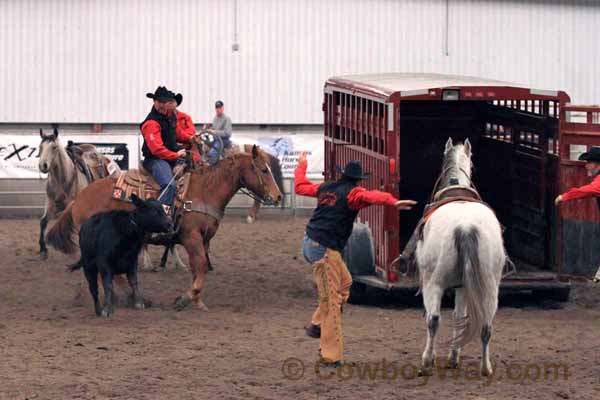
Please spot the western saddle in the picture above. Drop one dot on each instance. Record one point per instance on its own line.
(141, 183)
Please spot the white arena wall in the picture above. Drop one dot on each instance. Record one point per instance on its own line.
(79, 63)
(85, 61)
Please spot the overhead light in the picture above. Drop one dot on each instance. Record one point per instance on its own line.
(450, 95)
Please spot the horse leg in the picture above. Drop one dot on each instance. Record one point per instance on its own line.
(432, 297)
(146, 258)
(194, 246)
(486, 364)
(178, 261)
(43, 225)
(460, 313)
(165, 257)
(253, 212)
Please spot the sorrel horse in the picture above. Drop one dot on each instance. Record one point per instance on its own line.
(65, 178)
(461, 248)
(210, 190)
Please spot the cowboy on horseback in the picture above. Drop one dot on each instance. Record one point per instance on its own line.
(326, 236)
(164, 129)
(592, 166)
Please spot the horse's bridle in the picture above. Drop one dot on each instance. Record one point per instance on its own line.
(244, 190)
(243, 187)
(436, 194)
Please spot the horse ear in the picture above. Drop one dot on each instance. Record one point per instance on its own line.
(41, 133)
(136, 200)
(55, 132)
(254, 152)
(468, 148)
(449, 145)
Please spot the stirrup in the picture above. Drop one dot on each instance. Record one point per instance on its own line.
(403, 264)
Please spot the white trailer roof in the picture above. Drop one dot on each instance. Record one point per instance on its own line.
(389, 83)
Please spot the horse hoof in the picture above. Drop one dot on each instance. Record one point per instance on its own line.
(181, 303)
(250, 219)
(424, 371)
(452, 364)
(43, 255)
(106, 313)
(201, 306)
(140, 306)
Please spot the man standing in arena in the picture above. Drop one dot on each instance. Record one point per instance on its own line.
(326, 236)
(163, 130)
(592, 166)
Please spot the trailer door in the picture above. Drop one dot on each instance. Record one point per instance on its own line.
(578, 235)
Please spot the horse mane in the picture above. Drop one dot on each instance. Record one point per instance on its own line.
(276, 171)
(59, 171)
(216, 174)
(451, 167)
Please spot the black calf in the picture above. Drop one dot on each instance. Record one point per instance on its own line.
(110, 243)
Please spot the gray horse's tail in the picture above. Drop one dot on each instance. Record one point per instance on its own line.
(475, 286)
(60, 236)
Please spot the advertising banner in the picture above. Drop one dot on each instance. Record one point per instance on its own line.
(287, 147)
(19, 154)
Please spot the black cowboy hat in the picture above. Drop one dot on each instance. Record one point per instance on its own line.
(353, 170)
(593, 155)
(163, 94)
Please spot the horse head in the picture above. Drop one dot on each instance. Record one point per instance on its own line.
(49, 148)
(256, 175)
(457, 166)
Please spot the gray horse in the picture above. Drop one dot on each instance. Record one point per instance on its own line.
(69, 171)
(461, 248)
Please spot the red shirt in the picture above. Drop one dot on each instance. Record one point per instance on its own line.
(184, 130)
(591, 190)
(358, 198)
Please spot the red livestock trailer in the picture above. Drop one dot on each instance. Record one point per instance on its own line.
(525, 150)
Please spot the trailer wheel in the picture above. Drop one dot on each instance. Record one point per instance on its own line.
(358, 293)
(556, 294)
(358, 254)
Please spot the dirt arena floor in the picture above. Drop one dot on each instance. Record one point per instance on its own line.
(251, 345)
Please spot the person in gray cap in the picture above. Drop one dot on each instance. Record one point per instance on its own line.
(221, 127)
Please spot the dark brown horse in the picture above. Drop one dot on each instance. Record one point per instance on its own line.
(210, 190)
(277, 174)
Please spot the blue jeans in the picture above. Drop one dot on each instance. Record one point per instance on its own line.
(213, 153)
(312, 250)
(162, 173)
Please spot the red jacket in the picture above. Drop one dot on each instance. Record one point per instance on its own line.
(591, 190)
(151, 131)
(358, 198)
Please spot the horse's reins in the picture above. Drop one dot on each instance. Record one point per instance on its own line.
(435, 192)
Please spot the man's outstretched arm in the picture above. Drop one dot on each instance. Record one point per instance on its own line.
(303, 186)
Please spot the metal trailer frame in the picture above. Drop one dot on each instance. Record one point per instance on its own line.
(524, 131)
